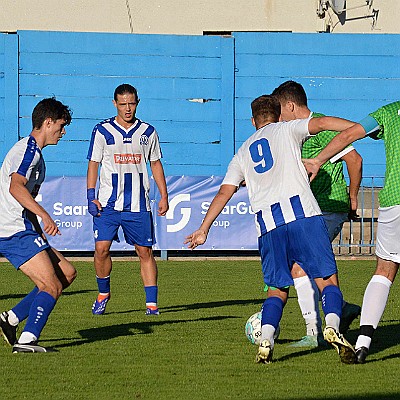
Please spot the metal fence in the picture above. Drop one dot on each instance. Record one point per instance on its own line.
(358, 237)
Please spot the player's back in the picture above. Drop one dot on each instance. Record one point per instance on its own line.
(276, 179)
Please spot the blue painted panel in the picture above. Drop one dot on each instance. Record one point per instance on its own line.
(125, 65)
(298, 65)
(112, 43)
(328, 88)
(103, 87)
(148, 110)
(317, 44)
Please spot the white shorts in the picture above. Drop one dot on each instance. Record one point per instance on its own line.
(388, 234)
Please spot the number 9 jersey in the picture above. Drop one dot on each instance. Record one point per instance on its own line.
(276, 179)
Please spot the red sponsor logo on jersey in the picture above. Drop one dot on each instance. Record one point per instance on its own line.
(127, 158)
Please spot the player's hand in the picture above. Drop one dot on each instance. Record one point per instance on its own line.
(352, 215)
(49, 226)
(94, 205)
(312, 166)
(163, 207)
(195, 239)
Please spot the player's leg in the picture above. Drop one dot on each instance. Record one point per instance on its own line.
(312, 250)
(40, 270)
(334, 223)
(308, 299)
(105, 229)
(377, 292)
(9, 320)
(332, 301)
(103, 268)
(273, 248)
(271, 315)
(149, 274)
(374, 303)
(138, 231)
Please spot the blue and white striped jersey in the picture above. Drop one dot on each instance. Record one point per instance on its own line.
(277, 182)
(24, 158)
(123, 154)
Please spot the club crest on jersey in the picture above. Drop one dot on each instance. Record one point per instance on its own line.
(144, 140)
(127, 158)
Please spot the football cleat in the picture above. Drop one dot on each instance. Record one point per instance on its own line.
(31, 347)
(349, 313)
(343, 347)
(99, 307)
(9, 331)
(150, 311)
(361, 355)
(265, 351)
(310, 341)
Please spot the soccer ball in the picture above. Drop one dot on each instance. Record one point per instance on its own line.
(252, 329)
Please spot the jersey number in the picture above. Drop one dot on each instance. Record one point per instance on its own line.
(39, 242)
(261, 154)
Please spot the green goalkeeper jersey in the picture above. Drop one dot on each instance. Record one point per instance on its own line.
(388, 118)
(329, 186)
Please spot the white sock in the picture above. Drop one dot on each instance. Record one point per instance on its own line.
(12, 318)
(332, 320)
(308, 299)
(267, 332)
(374, 303)
(27, 337)
(375, 299)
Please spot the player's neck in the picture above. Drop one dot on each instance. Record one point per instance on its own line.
(125, 124)
(302, 112)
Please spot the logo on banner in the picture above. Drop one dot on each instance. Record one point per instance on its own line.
(185, 211)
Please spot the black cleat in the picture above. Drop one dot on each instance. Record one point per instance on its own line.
(9, 331)
(349, 313)
(31, 347)
(361, 355)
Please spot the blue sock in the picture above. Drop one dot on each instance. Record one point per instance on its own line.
(332, 300)
(21, 310)
(103, 284)
(41, 308)
(151, 295)
(272, 311)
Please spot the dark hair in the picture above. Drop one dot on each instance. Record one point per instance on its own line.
(291, 91)
(265, 108)
(125, 88)
(50, 108)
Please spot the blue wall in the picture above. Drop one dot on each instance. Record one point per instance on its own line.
(347, 75)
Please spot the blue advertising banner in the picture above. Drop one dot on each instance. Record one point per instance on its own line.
(189, 198)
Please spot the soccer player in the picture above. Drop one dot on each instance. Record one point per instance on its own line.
(337, 206)
(288, 219)
(383, 123)
(22, 240)
(123, 145)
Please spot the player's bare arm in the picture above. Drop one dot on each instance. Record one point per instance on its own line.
(199, 236)
(91, 181)
(19, 191)
(337, 144)
(353, 162)
(159, 177)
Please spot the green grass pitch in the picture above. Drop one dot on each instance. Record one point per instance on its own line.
(196, 348)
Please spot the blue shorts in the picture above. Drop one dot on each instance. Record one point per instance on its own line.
(136, 226)
(21, 247)
(304, 241)
(334, 223)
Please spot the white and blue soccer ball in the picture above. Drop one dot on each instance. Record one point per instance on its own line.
(253, 329)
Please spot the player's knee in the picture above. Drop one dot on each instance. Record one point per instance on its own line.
(102, 253)
(53, 288)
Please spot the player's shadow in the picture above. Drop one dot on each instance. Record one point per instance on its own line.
(103, 333)
(198, 306)
(385, 337)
